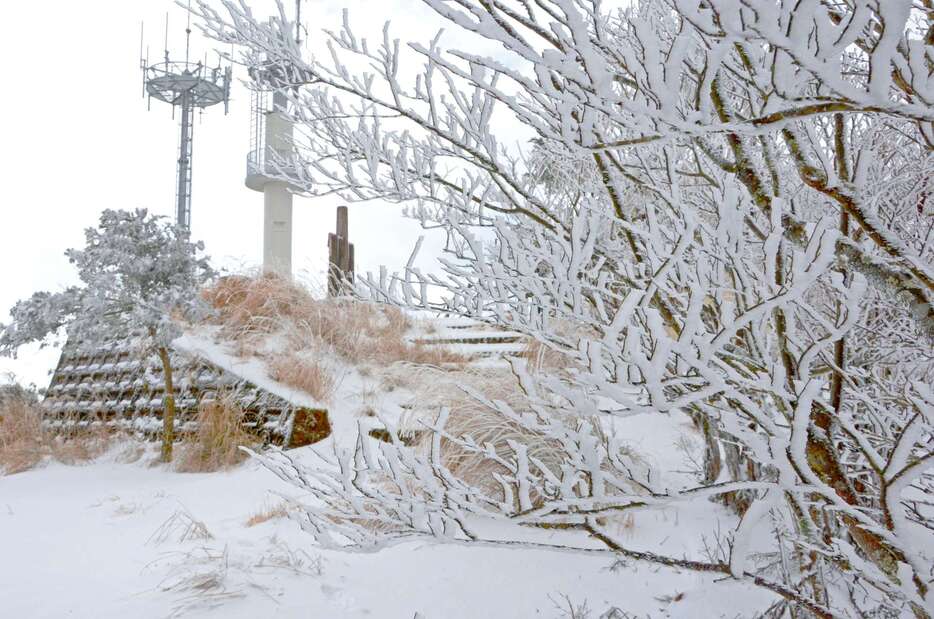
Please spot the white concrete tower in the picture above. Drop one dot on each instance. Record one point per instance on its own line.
(271, 142)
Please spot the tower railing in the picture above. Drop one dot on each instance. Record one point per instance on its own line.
(264, 163)
(259, 107)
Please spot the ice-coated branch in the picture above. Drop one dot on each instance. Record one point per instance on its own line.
(669, 227)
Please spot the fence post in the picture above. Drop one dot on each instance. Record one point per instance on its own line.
(340, 255)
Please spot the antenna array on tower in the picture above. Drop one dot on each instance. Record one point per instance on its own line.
(188, 86)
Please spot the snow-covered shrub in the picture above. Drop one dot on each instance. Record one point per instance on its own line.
(728, 200)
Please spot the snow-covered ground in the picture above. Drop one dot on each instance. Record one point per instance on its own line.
(128, 539)
(122, 537)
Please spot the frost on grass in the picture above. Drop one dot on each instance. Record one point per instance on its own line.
(278, 319)
(180, 527)
(208, 578)
(269, 512)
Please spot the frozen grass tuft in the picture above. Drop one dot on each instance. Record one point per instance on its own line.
(274, 512)
(215, 444)
(470, 418)
(436, 389)
(205, 578)
(202, 583)
(305, 374)
(282, 557)
(252, 308)
(180, 527)
(25, 442)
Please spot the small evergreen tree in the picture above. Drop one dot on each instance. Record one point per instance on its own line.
(141, 275)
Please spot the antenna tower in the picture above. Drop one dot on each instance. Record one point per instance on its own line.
(188, 86)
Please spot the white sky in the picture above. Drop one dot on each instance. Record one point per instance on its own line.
(78, 139)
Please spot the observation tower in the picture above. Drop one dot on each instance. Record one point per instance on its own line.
(270, 149)
(271, 157)
(188, 86)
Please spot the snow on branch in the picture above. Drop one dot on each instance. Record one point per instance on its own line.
(719, 208)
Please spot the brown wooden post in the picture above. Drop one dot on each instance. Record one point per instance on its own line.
(332, 265)
(340, 254)
(342, 222)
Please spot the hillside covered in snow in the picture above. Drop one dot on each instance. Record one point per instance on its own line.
(156, 542)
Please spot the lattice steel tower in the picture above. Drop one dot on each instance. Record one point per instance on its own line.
(188, 86)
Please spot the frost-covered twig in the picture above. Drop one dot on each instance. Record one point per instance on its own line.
(672, 232)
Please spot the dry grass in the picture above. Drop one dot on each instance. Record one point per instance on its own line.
(468, 417)
(625, 525)
(82, 446)
(305, 374)
(180, 527)
(215, 445)
(250, 309)
(268, 513)
(25, 442)
(544, 359)
(548, 359)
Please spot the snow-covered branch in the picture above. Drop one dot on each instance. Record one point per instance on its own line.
(721, 208)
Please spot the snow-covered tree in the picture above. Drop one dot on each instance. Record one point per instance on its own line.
(140, 275)
(723, 210)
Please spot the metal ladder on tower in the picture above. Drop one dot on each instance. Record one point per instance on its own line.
(183, 174)
(256, 158)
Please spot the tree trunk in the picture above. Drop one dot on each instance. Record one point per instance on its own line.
(712, 461)
(168, 412)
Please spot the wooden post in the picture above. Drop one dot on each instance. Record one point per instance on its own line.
(342, 222)
(340, 255)
(332, 264)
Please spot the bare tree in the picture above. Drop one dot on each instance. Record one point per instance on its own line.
(727, 200)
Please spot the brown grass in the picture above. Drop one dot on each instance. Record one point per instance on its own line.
(305, 374)
(548, 359)
(435, 389)
(468, 417)
(250, 309)
(268, 513)
(25, 442)
(215, 445)
(544, 359)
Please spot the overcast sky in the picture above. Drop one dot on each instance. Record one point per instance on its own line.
(78, 139)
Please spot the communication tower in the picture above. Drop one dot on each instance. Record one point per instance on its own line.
(188, 86)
